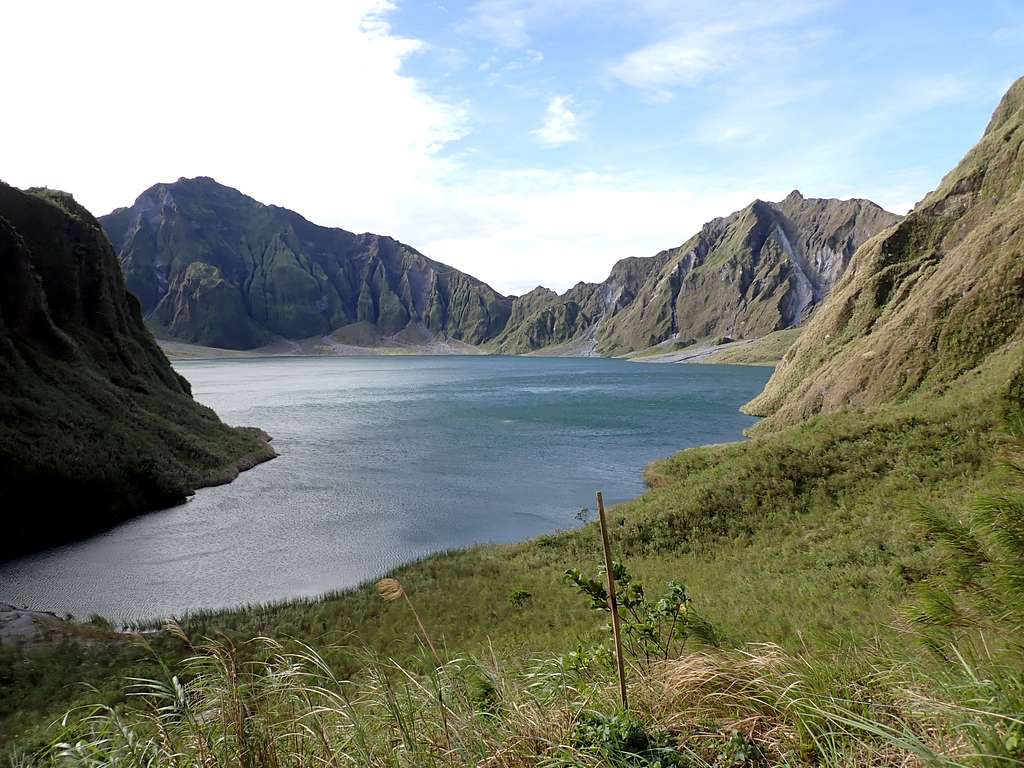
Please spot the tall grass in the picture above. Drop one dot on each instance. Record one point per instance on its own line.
(756, 706)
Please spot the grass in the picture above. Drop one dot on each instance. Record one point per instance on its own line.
(767, 350)
(284, 704)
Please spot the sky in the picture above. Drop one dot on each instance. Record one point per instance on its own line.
(527, 142)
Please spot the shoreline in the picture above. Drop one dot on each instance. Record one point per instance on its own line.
(761, 351)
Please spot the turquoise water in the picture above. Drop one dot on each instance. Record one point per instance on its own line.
(384, 460)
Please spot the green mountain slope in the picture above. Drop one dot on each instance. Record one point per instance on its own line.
(926, 301)
(214, 267)
(95, 425)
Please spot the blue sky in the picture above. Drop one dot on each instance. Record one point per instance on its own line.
(836, 98)
(525, 141)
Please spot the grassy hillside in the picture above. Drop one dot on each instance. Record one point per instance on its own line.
(767, 350)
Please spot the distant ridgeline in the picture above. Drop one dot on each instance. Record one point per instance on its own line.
(95, 425)
(211, 266)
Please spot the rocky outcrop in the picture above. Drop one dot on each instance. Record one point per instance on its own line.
(761, 269)
(926, 301)
(95, 425)
(212, 266)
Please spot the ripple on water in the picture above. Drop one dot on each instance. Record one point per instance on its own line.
(383, 460)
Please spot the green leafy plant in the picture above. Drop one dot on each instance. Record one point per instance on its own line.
(980, 587)
(623, 741)
(740, 751)
(653, 630)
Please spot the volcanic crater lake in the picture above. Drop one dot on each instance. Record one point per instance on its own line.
(384, 460)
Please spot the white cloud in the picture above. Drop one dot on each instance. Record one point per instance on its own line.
(531, 58)
(505, 21)
(737, 115)
(704, 40)
(561, 125)
(302, 105)
(306, 107)
(510, 22)
(681, 60)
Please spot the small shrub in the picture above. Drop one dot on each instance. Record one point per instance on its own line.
(653, 630)
(623, 741)
(520, 598)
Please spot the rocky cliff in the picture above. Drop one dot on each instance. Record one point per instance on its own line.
(926, 302)
(214, 267)
(95, 425)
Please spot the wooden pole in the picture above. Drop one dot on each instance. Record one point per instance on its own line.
(612, 602)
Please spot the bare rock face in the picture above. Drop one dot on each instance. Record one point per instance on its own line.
(213, 266)
(926, 301)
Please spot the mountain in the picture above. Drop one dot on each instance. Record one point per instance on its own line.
(762, 269)
(96, 426)
(212, 266)
(759, 270)
(937, 297)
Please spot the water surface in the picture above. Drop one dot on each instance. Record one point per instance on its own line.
(384, 460)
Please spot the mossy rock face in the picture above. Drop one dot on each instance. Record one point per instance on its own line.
(95, 425)
(926, 301)
(278, 275)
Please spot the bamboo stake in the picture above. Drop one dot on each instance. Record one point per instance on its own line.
(612, 602)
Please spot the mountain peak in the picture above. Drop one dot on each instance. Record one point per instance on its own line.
(238, 274)
(204, 181)
(1012, 101)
